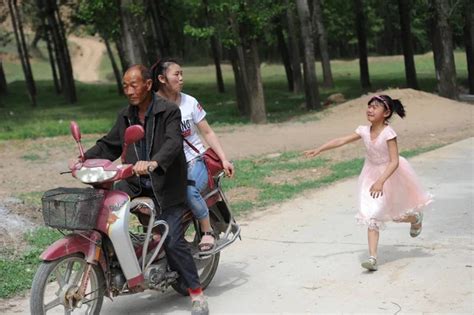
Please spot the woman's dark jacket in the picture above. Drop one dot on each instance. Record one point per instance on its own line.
(164, 145)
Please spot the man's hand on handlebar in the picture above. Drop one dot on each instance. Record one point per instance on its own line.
(144, 167)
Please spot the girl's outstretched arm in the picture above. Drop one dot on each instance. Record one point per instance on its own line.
(334, 143)
(376, 190)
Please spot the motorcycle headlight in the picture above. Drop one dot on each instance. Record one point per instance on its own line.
(94, 175)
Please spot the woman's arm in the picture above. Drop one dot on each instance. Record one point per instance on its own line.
(211, 139)
(335, 143)
(376, 190)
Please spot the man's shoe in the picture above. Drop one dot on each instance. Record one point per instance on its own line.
(200, 307)
(370, 264)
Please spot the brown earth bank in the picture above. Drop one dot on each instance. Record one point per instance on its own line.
(33, 166)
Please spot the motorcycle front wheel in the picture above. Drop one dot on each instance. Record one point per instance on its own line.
(55, 283)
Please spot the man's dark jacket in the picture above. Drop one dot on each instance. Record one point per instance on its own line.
(164, 145)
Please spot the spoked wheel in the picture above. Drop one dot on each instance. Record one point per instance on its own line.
(56, 282)
(206, 267)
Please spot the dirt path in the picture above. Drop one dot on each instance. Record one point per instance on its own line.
(86, 61)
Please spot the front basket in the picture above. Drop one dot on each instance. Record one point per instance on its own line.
(72, 208)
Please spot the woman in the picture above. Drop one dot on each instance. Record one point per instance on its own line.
(168, 83)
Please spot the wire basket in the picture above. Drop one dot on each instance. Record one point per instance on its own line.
(72, 208)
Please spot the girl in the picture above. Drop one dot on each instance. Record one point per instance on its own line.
(168, 83)
(388, 187)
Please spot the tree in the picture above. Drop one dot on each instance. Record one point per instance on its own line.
(443, 50)
(51, 18)
(405, 23)
(362, 43)
(22, 49)
(3, 80)
(132, 30)
(294, 49)
(468, 29)
(282, 47)
(320, 33)
(102, 17)
(4, 39)
(216, 54)
(310, 82)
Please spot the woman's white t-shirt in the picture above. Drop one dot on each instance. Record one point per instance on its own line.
(191, 114)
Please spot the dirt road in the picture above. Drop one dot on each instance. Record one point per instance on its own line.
(86, 61)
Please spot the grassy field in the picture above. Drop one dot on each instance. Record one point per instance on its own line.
(98, 103)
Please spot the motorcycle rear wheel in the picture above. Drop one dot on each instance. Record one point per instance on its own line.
(207, 267)
(54, 280)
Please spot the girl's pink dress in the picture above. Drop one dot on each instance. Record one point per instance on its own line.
(402, 192)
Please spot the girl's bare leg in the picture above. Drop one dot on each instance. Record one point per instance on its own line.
(373, 237)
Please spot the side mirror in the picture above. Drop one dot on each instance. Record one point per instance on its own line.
(76, 134)
(75, 131)
(133, 134)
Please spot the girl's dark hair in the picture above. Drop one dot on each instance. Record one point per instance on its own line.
(391, 104)
(160, 67)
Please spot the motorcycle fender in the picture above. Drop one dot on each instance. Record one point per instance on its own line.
(75, 243)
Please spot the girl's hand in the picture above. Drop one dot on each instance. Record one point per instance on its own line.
(376, 190)
(312, 153)
(228, 168)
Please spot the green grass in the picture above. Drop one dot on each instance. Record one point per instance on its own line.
(98, 103)
(17, 271)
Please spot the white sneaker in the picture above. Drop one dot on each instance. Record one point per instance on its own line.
(370, 264)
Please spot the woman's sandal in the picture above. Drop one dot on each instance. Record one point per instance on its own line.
(208, 242)
(414, 232)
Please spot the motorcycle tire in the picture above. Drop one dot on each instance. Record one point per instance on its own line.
(208, 265)
(48, 293)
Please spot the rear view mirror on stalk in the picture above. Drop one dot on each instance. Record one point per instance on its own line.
(76, 134)
(133, 134)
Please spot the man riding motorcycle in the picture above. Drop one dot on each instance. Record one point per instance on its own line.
(160, 166)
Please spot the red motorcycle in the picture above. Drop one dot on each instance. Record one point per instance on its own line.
(109, 252)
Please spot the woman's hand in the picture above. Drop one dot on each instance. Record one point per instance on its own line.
(312, 153)
(144, 167)
(228, 168)
(376, 190)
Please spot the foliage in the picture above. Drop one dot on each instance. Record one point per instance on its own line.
(100, 16)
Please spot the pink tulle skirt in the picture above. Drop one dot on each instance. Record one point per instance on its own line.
(403, 195)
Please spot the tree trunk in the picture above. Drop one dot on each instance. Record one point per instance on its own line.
(155, 15)
(71, 95)
(362, 43)
(22, 50)
(241, 90)
(216, 56)
(118, 77)
(258, 113)
(469, 43)
(323, 44)
(404, 10)
(132, 35)
(284, 55)
(443, 50)
(294, 51)
(52, 59)
(3, 80)
(121, 55)
(310, 82)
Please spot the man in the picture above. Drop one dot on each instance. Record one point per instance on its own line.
(161, 152)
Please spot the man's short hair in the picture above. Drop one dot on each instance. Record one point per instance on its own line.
(144, 71)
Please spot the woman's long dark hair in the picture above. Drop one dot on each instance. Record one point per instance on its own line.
(160, 67)
(391, 104)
